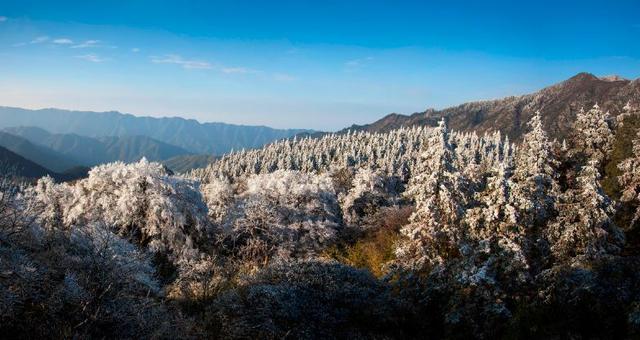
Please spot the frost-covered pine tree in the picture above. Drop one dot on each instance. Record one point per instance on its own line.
(434, 233)
(584, 227)
(535, 187)
(594, 137)
(497, 237)
(496, 212)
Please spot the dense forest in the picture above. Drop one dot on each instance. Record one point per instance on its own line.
(418, 232)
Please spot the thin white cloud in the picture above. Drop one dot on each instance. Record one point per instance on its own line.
(178, 60)
(92, 58)
(135, 50)
(356, 63)
(63, 41)
(283, 77)
(238, 70)
(87, 44)
(3, 19)
(39, 40)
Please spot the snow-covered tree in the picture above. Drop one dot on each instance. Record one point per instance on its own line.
(496, 212)
(282, 215)
(366, 196)
(497, 237)
(594, 137)
(140, 201)
(52, 199)
(584, 226)
(535, 187)
(434, 233)
(218, 194)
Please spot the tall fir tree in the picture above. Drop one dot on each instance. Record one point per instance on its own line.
(594, 136)
(535, 187)
(434, 233)
(584, 227)
(630, 180)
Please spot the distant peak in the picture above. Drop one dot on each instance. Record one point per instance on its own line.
(582, 76)
(613, 77)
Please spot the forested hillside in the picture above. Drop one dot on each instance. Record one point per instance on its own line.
(560, 104)
(415, 233)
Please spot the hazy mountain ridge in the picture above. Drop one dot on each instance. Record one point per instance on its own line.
(91, 151)
(13, 164)
(41, 155)
(189, 134)
(558, 104)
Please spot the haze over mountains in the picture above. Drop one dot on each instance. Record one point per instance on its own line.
(189, 134)
(91, 151)
(59, 139)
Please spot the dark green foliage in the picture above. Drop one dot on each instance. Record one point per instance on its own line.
(307, 300)
(583, 303)
(622, 149)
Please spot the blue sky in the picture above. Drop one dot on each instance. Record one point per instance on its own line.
(322, 64)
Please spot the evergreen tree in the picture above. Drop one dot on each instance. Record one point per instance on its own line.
(434, 233)
(630, 179)
(584, 227)
(535, 186)
(594, 137)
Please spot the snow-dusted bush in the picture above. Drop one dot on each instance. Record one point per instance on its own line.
(367, 195)
(218, 195)
(140, 201)
(16, 212)
(86, 282)
(282, 215)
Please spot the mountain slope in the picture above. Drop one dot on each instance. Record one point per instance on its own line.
(84, 150)
(189, 134)
(558, 104)
(41, 155)
(182, 164)
(91, 151)
(132, 148)
(15, 165)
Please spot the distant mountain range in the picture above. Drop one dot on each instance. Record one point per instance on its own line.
(558, 104)
(188, 134)
(91, 151)
(58, 140)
